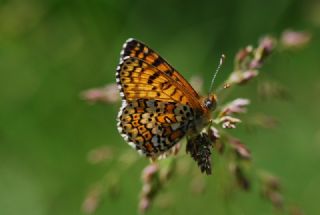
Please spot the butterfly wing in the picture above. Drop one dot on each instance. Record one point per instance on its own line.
(137, 79)
(137, 49)
(152, 127)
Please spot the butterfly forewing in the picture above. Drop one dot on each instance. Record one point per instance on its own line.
(137, 49)
(138, 79)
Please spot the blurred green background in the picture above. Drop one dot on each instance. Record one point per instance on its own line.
(52, 50)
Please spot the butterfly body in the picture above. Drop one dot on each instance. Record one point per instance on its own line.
(159, 107)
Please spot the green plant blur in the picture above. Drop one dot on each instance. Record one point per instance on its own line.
(52, 50)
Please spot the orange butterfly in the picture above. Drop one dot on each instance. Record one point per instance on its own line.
(159, 107)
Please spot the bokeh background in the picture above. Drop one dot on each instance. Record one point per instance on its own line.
(52, 50)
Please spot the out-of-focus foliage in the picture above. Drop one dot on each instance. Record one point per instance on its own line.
(52, 50)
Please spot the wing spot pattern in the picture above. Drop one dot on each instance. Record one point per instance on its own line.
(153, 132)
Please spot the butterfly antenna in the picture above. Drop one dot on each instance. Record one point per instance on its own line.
(217, 70)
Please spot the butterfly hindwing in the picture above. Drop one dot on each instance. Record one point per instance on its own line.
(152, 127)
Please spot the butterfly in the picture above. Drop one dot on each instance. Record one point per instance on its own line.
(159, 107)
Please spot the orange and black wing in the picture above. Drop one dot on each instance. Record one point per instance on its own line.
(152, 127)
(138, 79)
(145, 56)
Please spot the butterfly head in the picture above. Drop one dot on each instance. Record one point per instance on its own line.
(210, 102)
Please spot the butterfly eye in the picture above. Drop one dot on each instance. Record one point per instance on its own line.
(210, 103)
